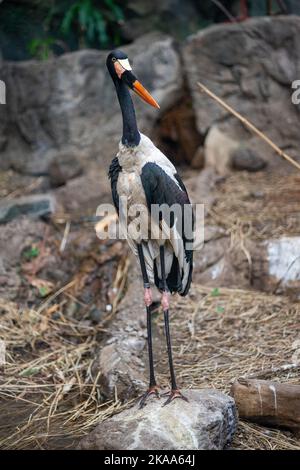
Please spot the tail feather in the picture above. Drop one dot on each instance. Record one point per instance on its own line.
(178, 265)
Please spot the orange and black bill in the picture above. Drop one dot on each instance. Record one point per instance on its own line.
(124, 72)
(144, 94)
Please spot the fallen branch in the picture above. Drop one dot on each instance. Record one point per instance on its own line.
(269, 403)
(250, 126)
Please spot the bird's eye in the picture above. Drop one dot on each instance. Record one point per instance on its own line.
(114, 59)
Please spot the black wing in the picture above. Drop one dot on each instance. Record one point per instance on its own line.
(160, 188)
(113, 174)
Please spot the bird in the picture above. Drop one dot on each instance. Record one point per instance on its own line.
(142, 175)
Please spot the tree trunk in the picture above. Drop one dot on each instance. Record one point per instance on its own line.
(267, 402)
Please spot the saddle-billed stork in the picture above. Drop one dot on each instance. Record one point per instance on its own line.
(143, 175)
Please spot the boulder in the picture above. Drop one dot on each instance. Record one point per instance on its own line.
(251, 67)
(70, 102)
(206, 422)
(201, 187)
(278, 268)
(271, 265)
(121, 359)
(197, 162)
(37, 205)
(244, 158)
(218, 264)
(292, 7)
(172, 16)
(218, 149)
(83, 194)
(65, 166)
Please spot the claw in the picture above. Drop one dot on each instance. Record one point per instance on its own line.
(172, 395)
(153, 390)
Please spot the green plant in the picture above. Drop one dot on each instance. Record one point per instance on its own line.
(30, 253)
(44, 291)
(41, 49)
(30, 371)
(90, 21)
(215, 292)
(220, 309)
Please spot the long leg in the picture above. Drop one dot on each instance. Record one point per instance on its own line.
(153, 389)
(175, 393)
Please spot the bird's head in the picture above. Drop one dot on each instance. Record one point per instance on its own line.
(120, 69)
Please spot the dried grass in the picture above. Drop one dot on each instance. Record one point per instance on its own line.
(221, 335)
(258, 206)
(50, 397)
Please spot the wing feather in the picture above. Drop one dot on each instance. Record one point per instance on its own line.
(162, 188)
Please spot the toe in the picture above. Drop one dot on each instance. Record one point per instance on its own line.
(174, 394)
(151, 391)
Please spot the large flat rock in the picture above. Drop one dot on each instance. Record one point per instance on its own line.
(121, 358)
(207, 421)
(252, 67)
(37, 205)
(68, 105)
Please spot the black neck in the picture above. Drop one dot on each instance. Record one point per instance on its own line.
(131, 136)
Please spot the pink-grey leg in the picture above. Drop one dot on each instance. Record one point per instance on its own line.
(153, 388)
(175, 392)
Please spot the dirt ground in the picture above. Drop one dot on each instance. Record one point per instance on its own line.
(49, 395)
(50, 398)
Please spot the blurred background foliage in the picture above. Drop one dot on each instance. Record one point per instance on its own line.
(40, 29)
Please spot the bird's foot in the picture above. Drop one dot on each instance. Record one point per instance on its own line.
(172, 395)
(153, 390)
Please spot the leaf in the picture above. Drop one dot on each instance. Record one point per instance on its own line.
(116, 10)
(84, 14)
(41, 48)
(220, 309)
(44, 287)
(90, 32)
(30, 371)
(101, 27)
(69, 18)
(43, 291)
(31, 253)
(32, 46)
(215, 292)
